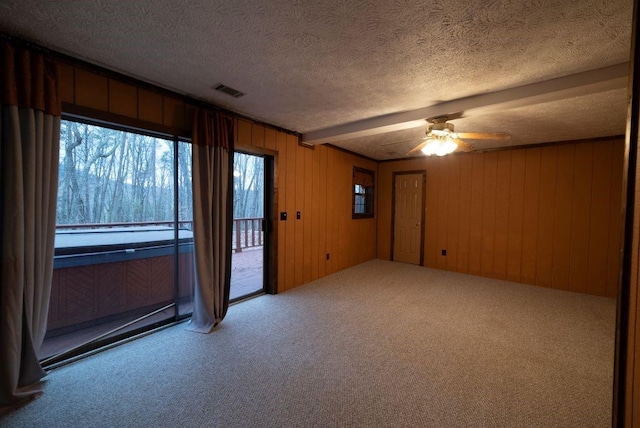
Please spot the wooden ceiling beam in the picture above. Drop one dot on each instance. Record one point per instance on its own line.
(575, 85)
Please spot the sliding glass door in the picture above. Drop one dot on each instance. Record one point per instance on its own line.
(124, 239)
(248, 258)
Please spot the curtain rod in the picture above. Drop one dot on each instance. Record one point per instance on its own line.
(25, 43)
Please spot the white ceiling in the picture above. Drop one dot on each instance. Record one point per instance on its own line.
(339, 69)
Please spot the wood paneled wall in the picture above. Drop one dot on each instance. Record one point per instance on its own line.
(632, 381)
(548, 216)
(317, 182)
(106, 96)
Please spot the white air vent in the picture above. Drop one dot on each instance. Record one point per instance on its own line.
(227, 90)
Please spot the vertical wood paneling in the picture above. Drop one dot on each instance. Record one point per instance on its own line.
(281, 183)
(441, 220)
(530, 215)
(67, 85)
(632, 380)
(615, 221)
(257, 135)
(150, 108)
(516, 213)
(270, 139)
(599, 221)
(337, 221)
(489, 214)
(236, 141)
(337, 229)
(123, 99)
(91, 90)
(431, 217)
(308, 215)
(453, 213)
(580, 217)
(189, 112)
(540, 216)
(290, 172)
(300, 177)
(108, 93)
(322, 201)
(503, 177)
(384, 188)
(348, 257)
(243, 133)
(174, 113)
(475, 230)
(331, 197)
(466, 166)
(315, 220)
(562, 217)
(547, 198)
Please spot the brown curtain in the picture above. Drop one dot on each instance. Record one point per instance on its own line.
(212, 217)
(363, 178)
(29, 141)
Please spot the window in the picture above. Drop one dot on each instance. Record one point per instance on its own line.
(363, 186)
(124, 240)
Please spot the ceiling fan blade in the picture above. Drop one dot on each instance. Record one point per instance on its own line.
(464, 146)
(416, 148)
(484, 135)
(397, 142)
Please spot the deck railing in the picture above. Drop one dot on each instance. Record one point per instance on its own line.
(247, 232)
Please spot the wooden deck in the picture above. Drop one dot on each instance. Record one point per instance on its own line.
(246, 272)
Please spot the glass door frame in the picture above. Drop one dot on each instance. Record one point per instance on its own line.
(111, 338)
(269, 262)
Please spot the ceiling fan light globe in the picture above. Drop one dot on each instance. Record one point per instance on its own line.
(439, 147)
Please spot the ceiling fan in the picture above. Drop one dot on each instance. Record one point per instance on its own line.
(441, 139)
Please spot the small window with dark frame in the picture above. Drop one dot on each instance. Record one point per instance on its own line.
(363, 186)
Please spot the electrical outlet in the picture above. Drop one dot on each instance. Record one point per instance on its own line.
(283, 215)
(444, 252)
(298, 215)
(327, 256)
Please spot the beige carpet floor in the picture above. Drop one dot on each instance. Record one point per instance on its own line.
(381, 344)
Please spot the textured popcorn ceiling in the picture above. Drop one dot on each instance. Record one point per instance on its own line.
(565, 120)
(312, 65)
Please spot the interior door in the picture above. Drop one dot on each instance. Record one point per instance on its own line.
(408, 218)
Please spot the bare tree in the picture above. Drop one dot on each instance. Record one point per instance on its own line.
(114, 176)
(248, 186)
